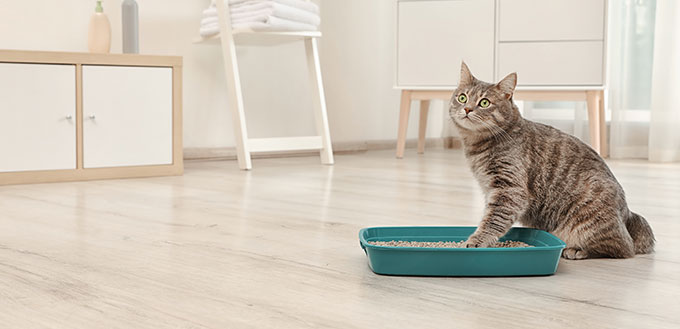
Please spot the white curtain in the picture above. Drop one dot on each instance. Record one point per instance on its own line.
(643, 73)
(630, 50)
(664, 130)
(644, 82)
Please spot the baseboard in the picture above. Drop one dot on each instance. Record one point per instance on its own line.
(229, 153)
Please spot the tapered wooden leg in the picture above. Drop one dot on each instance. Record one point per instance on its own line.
(422, 125)
(604, 147)
(403, 122)
(594, 117)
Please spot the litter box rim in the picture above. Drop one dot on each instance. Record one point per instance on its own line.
(558, 243)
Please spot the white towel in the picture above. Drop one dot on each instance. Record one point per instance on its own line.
(275, 9)
(300, 4)
(268, 8)
(264, 15)
(272, 23)
(209, 20)
(209, 30)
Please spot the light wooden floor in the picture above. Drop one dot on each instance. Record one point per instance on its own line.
(277, 248)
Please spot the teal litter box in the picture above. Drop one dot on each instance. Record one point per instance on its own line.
(541, 259)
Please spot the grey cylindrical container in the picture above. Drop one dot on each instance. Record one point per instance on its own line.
(130, 27)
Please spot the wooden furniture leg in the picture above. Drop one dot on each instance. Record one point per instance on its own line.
(604, 147)
(594, 114)
(422, 125)
(403, 122)
(234, 87)
(320, 113)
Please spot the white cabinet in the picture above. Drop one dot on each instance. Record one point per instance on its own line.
(552, 43)
(557, 47)
(37, 117)
(82, 116)
(556, 44)
(434, 36)
(128, 116)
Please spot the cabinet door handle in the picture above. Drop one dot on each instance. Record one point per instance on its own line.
(92, 117)
(69, 117)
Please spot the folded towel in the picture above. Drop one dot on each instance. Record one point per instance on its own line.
(264, 15)
(268, 8)
(272, 23)
(209, 30)
(299, 4)
(278, 10)
(209, 20)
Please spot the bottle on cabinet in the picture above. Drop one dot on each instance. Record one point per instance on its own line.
(130, 16)
(99, 34)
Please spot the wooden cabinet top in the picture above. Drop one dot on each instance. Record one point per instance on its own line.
(57, 57)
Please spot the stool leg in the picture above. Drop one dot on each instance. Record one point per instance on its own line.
(593, 100)
(604, 148)
(403, 122)
(320, 113)
(234, 87)
(422, 125)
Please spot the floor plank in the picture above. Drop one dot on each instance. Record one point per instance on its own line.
(277, 247)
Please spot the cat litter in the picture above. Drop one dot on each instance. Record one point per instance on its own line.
(445, 244)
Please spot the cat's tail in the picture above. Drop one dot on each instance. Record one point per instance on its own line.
(641, 232)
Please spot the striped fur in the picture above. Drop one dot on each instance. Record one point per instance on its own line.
(541, 177)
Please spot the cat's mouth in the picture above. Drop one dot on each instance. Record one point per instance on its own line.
(466, 121)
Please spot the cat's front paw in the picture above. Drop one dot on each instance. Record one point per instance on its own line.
(574, 253)
(477, 241)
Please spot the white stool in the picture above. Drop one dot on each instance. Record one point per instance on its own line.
(244, 145)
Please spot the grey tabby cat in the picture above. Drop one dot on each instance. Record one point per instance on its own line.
(541, 177)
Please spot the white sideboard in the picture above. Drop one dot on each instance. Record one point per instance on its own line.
(557, 47)
(77, 116)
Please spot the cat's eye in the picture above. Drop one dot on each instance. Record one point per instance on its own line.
(484, 103)
(462, 98)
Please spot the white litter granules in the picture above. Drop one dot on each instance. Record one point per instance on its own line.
(444, 244)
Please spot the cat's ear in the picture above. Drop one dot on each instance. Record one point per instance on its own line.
(507, 85)
(466, 77)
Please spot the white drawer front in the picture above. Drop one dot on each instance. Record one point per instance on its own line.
(553, 63)
(37, 117)
(127, 116)
(540, 20)
(434, 36)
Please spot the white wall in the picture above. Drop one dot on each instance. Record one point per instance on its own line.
(356, 56)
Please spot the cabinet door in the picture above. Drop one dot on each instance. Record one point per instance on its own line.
(127, 116)
(577, 63)
(541, 20)
(434, 36)
(37, 117)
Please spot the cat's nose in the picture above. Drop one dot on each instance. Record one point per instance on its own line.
(467, 110)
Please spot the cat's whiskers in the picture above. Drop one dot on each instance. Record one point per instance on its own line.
(498, 133)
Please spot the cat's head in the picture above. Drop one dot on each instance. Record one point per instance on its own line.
(481, 107)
